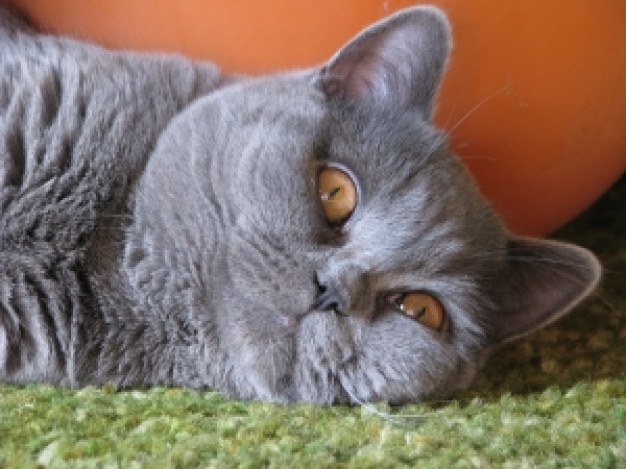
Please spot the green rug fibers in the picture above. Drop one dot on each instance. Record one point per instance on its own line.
(557, 399)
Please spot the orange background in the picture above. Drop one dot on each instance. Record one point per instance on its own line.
(535, 95)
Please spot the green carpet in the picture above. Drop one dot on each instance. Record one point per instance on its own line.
(557, 399)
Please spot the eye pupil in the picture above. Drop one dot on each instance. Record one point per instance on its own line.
(333, 193)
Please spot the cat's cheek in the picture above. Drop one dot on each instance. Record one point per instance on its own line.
(400, 362)
(325, 346)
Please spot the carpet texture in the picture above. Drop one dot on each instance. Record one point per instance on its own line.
(556, 399)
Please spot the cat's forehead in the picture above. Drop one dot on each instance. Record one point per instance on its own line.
(270, 98)
(384, 148)
(293, 108)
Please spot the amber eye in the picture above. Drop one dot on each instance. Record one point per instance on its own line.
(338, 194)
(422, 307)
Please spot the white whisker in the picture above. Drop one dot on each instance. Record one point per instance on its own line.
(465, 117)
(393, 419)
(470, 157)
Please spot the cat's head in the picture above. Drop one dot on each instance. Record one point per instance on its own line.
(337, 250)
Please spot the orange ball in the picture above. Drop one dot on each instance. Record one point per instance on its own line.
(534, 97)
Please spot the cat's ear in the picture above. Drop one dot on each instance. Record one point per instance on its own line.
(541, 282)
(397, 62)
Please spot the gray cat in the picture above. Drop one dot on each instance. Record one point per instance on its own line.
(301, 237)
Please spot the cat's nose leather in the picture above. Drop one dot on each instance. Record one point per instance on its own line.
(331, 296)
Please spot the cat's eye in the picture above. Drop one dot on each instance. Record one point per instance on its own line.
(338, 194)
(421, 307)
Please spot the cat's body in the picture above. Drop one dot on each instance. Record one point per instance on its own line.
(162, 226)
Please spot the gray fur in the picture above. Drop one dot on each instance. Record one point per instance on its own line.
(160, 225)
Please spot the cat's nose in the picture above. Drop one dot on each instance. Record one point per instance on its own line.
(331, 296)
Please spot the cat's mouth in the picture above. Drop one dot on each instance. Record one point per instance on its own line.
(292, 321)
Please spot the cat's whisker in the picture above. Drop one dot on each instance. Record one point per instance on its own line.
(549, 264)
(390, 418)
(477, 157)
(463, 118)
(452, 111)
(476, 107)
(606, 303)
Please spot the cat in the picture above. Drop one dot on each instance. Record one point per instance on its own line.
(304, 236)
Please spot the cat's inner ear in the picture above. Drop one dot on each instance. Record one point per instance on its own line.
(542, 281)
(396, 62)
